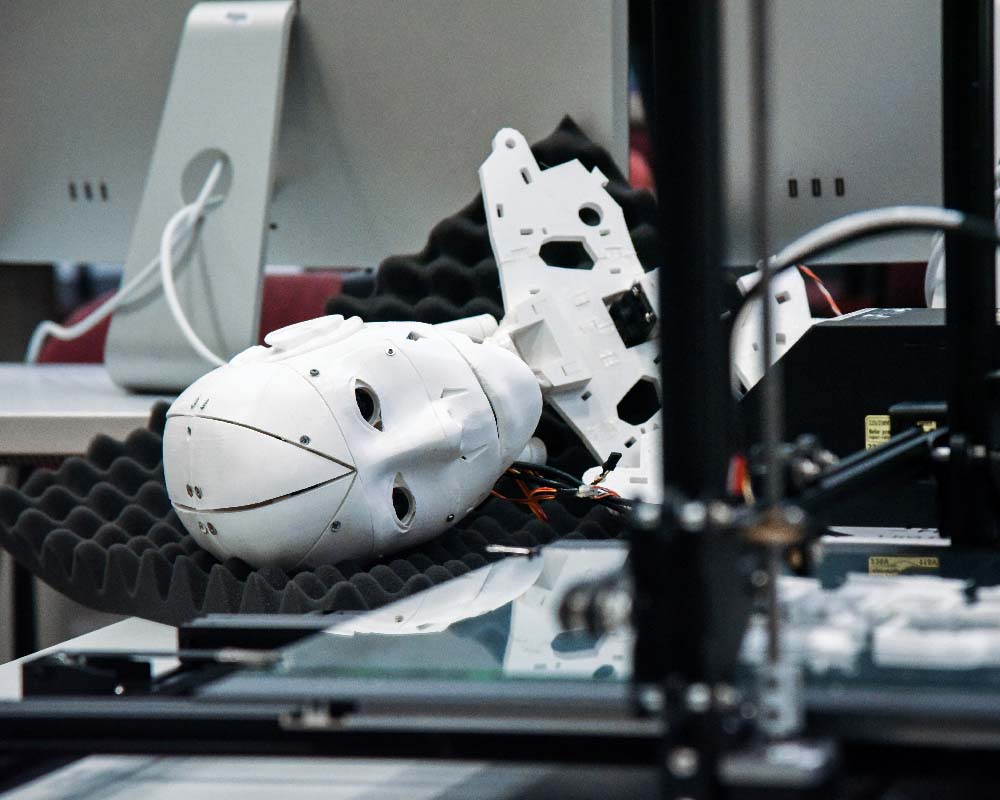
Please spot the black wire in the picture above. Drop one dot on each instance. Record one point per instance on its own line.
(563, 478)
(563, 484)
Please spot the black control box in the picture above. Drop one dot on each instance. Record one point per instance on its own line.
(853, 381)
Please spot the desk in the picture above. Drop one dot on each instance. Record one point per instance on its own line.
(57, 409)
(49, 411)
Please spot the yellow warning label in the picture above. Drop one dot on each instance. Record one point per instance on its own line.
(897, 565)
(927, 425)
(878, 429)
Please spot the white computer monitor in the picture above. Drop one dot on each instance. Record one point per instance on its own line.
(855, 95)
(386, 111)
(390, 108)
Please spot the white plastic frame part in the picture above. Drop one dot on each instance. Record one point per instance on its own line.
(557, 318)
(791, 319)
(224, 102)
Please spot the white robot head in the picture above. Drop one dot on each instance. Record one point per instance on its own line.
(341, 439)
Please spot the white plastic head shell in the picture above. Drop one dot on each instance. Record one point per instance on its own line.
(341, 439)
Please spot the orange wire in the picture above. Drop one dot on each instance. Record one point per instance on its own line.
(540, 494)
(737, 473)
(823, 290)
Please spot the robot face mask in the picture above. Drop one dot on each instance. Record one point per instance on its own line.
(344, 440)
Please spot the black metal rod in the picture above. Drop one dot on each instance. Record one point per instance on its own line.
(25, 630)
(967, 93)
(686, 138)
(906, 452)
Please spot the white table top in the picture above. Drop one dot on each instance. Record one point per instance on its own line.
(57, 409)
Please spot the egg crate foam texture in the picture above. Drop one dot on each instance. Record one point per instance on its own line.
(101, 530)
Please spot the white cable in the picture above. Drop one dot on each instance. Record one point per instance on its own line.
(934, 276)
(934, 289)
(78, 329)
(861, 222)
(124, 293)
(57, 331)
(188, 216)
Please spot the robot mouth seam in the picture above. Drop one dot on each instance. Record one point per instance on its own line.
(268, 502)
(273, 436)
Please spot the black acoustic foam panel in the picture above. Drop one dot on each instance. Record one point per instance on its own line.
(101, 530)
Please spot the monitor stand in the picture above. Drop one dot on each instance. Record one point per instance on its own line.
(224, 101)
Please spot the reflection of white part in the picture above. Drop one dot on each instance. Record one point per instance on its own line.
(557, 318)
(341, 439)
(791, 319)
(535, 626)
(535, 587)
(470, 595)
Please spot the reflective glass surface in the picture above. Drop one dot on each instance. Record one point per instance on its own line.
(496, 622)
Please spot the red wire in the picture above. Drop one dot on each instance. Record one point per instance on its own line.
(823, 290)
(737, 474)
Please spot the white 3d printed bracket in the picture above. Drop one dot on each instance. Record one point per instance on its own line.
(557, 317)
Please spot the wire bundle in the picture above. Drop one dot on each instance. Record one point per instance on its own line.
(539, 483)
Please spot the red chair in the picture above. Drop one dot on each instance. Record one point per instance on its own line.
(287, 299)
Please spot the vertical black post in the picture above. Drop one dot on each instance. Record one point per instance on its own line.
(677, 601)
(686, 138)
(24, 627)
(967, 84)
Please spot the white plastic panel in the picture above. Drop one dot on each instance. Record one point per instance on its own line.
(557, 318)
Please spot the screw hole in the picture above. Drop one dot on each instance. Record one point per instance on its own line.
(590, 215)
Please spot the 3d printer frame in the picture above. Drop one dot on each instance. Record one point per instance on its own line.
(689, 559)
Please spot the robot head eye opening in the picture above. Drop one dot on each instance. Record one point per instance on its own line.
(403, 504)
(368, 404)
